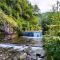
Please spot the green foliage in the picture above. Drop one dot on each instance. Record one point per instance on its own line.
(21, 11)
(4, 18)
(51, 25)
(45, 26)
(16, 8)
(54, 17)
(34, 20)
(52, 46)
(58, 33)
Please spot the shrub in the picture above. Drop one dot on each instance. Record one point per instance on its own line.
(52, 46)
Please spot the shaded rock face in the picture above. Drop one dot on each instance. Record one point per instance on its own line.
(6, 30)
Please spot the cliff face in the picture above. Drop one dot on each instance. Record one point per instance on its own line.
(7, 25)
(7, 31)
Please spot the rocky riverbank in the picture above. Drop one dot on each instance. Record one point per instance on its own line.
(30, 53)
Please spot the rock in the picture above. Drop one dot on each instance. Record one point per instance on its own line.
(15, 58)
(23, 56)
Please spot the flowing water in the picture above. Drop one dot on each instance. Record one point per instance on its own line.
(35, 49)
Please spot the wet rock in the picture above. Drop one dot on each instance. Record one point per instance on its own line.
(23, 56)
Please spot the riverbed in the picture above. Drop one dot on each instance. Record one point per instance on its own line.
(20, 49)
(6, 49)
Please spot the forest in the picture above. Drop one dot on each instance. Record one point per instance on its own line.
(22, 13)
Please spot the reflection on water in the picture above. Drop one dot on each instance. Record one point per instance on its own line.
(33, 34)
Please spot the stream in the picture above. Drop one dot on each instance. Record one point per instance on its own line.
(31, 49)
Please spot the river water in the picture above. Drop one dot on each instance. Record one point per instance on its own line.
(22, 46)
(37, 47)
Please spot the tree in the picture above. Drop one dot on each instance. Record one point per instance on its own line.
(36, 9)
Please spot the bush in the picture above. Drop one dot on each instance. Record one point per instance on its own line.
(58, 33)
(19, 33)
(52, 46)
